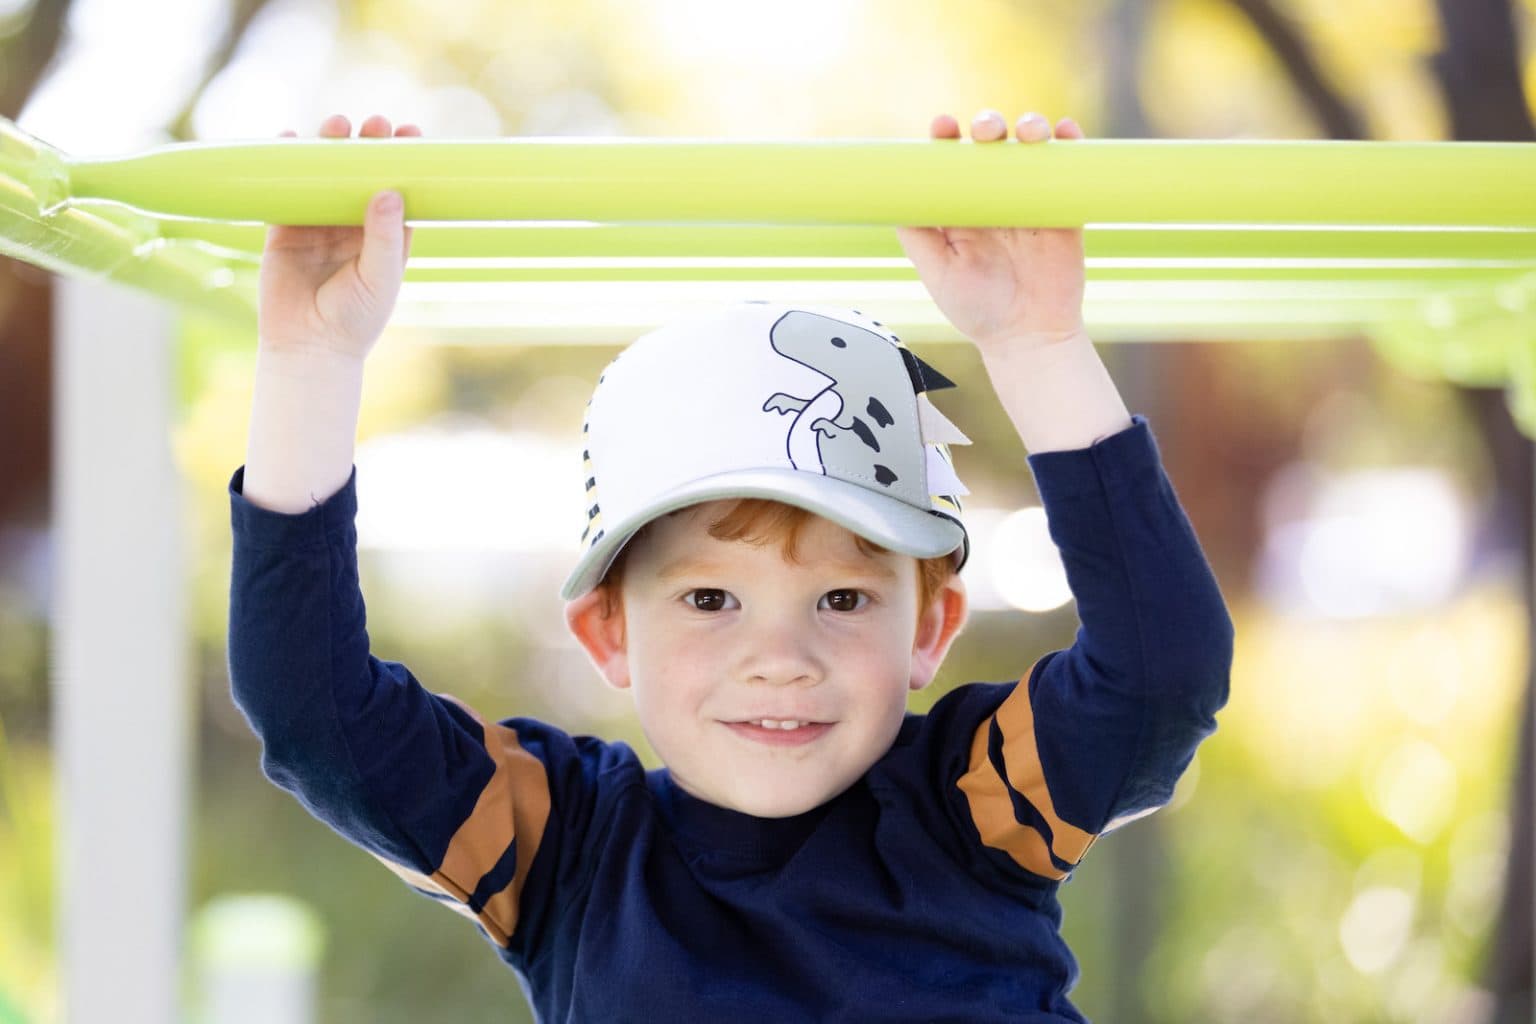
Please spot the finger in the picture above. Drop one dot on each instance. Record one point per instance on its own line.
(1033, 127)
(1067, 128)
(944, 127)
(335, 126)
(923, 245)
(286, 133)
(403, 132)
(379, 262)
(374, 127)
(988, 126)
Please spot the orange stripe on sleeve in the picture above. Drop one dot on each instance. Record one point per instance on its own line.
(991, 806)
(514, 804)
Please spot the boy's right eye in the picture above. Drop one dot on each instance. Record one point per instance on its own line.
(707, 599)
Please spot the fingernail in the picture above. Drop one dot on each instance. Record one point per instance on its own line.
(389, 202)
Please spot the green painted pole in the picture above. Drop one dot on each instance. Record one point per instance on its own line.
(117, 244)
(1056, 184)
(1255, 242)
(1423, 278)
(136, 218)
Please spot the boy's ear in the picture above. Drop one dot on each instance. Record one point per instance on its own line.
(936, 630)
(601, 635)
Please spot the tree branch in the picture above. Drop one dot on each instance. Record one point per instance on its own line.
(1284, 36)
(1479, 71)
(25, 56)
(244, 12)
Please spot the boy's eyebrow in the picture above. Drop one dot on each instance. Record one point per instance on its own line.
(686, 566)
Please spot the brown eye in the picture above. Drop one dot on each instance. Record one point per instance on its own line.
(707, 600)
(844, 600)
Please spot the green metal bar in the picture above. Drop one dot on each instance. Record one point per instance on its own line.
(902, 303)
(1239, 325)
(1270, 299)
(1428, 277)
(1057, 184)
(79, 242)
(439, 240)
(1513, 279)
(133, 218)
(1251, 236)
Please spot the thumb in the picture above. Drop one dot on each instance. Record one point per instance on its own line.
(380, 264)
(923, 246)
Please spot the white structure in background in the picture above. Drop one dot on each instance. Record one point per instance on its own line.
(1014, 564)
(120, 672)
(465, 517)
(256, 956)
(457, 484)
(118, 622)
(1377, 541)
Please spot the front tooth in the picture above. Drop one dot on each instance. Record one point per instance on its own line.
(789, 723)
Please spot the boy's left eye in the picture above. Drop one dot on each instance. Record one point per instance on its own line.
(708, 599)
(845, 600)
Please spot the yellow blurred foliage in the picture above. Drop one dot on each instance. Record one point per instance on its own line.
(1313, 700)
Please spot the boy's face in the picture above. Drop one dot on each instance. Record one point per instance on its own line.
(713, 633)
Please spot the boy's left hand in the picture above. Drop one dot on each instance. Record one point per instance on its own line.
(1002, 283)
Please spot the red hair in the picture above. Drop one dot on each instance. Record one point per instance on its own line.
(763, 521)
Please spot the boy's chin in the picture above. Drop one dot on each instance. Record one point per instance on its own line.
(780, 804)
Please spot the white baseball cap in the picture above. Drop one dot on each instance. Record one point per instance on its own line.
(818, 407)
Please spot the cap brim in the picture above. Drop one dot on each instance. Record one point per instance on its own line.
(886, 521)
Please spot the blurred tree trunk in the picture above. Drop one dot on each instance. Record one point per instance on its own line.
(26, 300)
(1479, 70)
(1479, 73)
(1507, 969)
(1138, 856)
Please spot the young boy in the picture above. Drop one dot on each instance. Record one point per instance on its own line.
(770, 563)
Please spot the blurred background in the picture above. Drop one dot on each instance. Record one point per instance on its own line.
(1354, 843)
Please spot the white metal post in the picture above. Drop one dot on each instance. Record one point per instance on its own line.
(119, 686)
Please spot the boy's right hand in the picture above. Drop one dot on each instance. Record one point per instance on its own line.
(330, 290)
(1003, 286)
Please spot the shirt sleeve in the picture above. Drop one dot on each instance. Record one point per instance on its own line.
(1098, 734)
(464, 810)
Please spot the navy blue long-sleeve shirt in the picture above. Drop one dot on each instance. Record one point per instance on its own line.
(927, 891)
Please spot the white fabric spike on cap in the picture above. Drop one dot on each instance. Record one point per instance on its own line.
(941, 475)
(935, 427)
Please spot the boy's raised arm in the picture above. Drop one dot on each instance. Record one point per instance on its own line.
(1056, 390)
(456, 805)
(1017, 293)
(1097, 734)
(303, 435)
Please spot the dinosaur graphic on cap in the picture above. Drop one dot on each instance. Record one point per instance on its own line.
(861, 426)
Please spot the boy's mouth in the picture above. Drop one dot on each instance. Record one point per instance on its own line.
(780, 737)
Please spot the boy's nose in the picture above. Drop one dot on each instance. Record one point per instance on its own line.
(782, 652)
